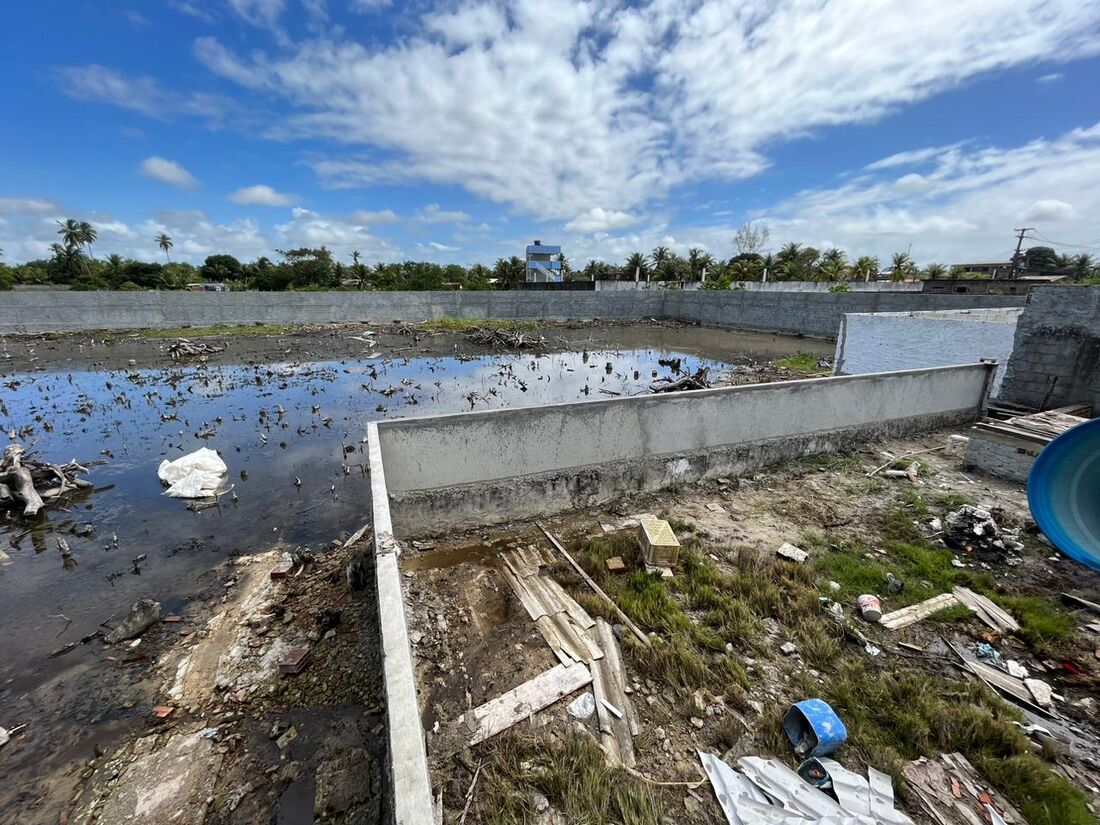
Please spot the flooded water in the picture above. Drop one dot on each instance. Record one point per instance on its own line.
(273, 422)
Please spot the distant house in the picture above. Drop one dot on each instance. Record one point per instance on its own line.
(208, 287)
(994, 269)
(543, 264)
(990, 286)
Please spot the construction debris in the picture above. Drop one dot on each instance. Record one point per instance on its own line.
(971, 528)
(142, 614)
(696, 381)
(792, 553)
(658, 543)
(814, 728)
(870, 608)
(952, 793)
(184, 348)
(500, 338)
(766, 791)
(986, 610)
(521, 702)
(619, 722)
(34, 484)
(916, 612)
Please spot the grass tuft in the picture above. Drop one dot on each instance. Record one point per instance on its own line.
(804, 363)
(464, 324)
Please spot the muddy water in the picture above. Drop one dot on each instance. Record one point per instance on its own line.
(274, 421)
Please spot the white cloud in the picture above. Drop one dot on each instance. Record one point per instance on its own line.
(442, 247)
(17, 206)
(432, 213)
(1054, 77)
(366, 218)
(307, 228)
(261, 195)
(140, 94)
(263, 14)
(598, 219)
(1050, 209)
(369, 6)
(552, 106)
(138, 20)
(168, 171)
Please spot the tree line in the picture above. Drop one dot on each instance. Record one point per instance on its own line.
(74, 264)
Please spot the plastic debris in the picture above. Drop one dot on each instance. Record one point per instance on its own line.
(196, 475)
(870, 607)
(814, 728)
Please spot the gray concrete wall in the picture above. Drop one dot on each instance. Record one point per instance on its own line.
(1056, 354)
(878, 342)
(809, 313)
(800, 313)
(475, 468)
(815, 286)
(1001, 455)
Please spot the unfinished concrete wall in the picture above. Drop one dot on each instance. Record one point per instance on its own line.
(817, 286)
(878, 342)
(1056, 354)
(814, 314)
(799, 313)
(476, 468)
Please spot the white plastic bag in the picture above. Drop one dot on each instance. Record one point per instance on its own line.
(195, 475)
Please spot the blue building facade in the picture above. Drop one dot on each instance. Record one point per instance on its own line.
(544, 264)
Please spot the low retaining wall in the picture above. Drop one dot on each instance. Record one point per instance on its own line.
(800, 313)
(878, 342)
(471, 469)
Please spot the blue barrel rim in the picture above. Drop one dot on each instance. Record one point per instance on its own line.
(1039, 488)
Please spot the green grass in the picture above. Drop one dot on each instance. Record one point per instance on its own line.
(573, 775)
(464, 324)
(804, 363)
(894, 712)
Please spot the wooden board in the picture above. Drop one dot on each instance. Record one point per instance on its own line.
(986, 610)
(522, 702)
(915, 612)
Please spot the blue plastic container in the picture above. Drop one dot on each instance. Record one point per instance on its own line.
(1063, 491)
(814, 728)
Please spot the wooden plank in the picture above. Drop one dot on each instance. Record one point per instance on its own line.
(566, 653)
(915, 612)
(1077, 601)
(530, 603)
(599, 591)
(524, 701)
(579, 614)
(986, 610)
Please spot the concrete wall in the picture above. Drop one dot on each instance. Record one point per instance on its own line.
(800, 313)
(885, 341)
(815, 286)
(470, 469)
(817, 315)
(1056, 356)
(1002, 455)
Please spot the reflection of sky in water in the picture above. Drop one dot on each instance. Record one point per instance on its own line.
(319, 438)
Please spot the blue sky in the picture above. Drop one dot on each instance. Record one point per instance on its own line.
(459, 131)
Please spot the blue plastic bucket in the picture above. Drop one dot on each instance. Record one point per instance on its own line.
(814, 728)
(1063, 491)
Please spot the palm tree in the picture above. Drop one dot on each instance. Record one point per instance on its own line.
(71, 232)
(768, 264)
(834, 255)
(935, 271)
(831, 269)
(865, 267)
(743, 270)
(165, 243)
(789, 252)
(695, 261)
(70, 259)
(88, 235)
(903, 266)
(660, 256)
(636, 264)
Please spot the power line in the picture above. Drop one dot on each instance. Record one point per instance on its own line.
(1041, 237)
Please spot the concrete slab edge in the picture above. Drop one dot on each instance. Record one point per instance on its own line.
(408, 761)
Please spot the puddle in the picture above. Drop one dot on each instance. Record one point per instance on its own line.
(273, 422)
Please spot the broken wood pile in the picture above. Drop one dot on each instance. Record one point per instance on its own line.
(952, 793)
(500, 338)
(696, 381)
(34, 483)
(184, 348)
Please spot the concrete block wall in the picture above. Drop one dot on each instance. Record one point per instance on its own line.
(1001, 456)
(1056, 351)
(877, 342)
(799, 313)
(469, 469)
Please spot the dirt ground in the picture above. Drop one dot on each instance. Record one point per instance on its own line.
(473, 639)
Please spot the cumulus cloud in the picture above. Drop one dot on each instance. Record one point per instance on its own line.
(600, 220)
(1050, 209)
(551, 106)
(261, 195)
(433, 213)
(367, 218)
(168, 171)
(23, 206)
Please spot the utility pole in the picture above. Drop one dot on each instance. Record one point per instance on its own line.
(1014, 271)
